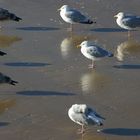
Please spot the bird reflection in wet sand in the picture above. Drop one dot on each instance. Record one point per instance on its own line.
(93, 51)
(6, 40)
(93, 82)
(92, 137)
(6, 104)
(84, 115)
(6, 79)
(70, 43)
(130, 47)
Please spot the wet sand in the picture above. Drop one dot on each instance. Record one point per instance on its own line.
(53, 74)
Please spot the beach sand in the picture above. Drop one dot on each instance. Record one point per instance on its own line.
(53, 74)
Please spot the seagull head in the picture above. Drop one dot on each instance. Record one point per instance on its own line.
(64, 7)
(119, 15)
(87, 43)
(79, 108)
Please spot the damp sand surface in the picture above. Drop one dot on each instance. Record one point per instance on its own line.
(53, 74)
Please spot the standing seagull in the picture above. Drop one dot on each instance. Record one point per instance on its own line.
(93, 51)
(84, 115)
(6, 15)
(73, 16)
(127, 21)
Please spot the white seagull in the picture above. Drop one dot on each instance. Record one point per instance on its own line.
(84, 115)
(127, 21)
(73, 16)
(93, 51)
(6, 15)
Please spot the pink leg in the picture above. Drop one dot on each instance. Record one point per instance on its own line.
(91, 66)
(82, 130)
(71, 28)
(129, 34)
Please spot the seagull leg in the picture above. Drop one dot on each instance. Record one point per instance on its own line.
(92, 65)
(82, 130)
(0, 27)
(128, 34)
(71, 28)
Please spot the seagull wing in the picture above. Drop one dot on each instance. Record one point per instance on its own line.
(131, 21)
(4, 14)
(93, 117)
(75, 15)
(97, 51)
(95, 113)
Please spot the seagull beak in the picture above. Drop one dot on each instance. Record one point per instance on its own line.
(78, 46)
(115, 16)
(59, 9)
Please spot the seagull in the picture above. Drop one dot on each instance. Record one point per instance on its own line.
(73, 16)
(127, 21)
(6, 15)
(2, 53)
(93, 51)
(6, 79)
(84, 115)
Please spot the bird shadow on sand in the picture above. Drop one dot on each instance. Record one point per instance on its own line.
(44, 93)
(122, 131)
(108, 30)
(33, 28)
(27, 64)
(2, 124)
(129, 66)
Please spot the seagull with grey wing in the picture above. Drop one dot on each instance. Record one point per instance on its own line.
(84, 115)
(73, 16)
(93, 52)
(127, 21)
(6, 15)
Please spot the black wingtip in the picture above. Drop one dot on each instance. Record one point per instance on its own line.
(14, 17)
(111, 55)
(88, 22)
(13, 82)
(91, 22)
(18, 19)
(2, 53)
(101, 124)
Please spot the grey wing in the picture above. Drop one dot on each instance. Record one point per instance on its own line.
(4, 14)
(132, 21)
(97, 51)
(95, 113)
(76, 16)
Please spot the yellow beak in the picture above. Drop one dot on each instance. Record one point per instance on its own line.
(115, 16)
(58, 9)
(78, 46)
